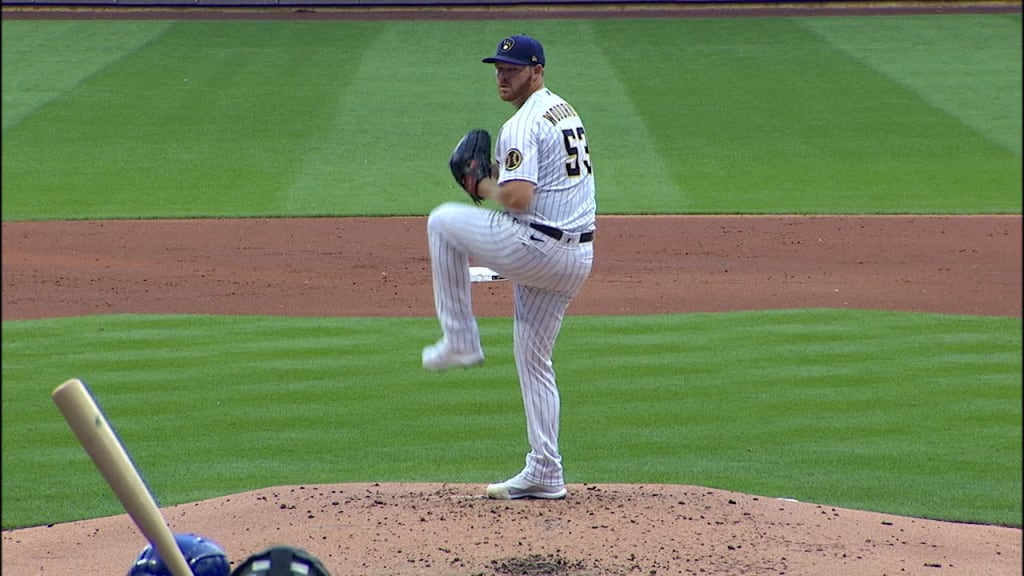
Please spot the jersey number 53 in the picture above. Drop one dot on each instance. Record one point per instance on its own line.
(578, 151)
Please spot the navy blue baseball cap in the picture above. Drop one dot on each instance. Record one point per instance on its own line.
(519, 50)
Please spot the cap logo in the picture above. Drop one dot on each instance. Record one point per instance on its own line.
(507, 44)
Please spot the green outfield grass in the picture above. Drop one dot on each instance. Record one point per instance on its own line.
(912, 414)
(915, 114)
(907, 413)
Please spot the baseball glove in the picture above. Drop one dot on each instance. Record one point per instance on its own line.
(471, 162)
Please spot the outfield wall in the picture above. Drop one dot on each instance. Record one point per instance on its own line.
(937, 5)
(343, 3)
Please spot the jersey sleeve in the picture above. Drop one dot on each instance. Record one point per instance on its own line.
(517, 150)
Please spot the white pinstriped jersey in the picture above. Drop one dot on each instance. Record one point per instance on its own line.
(544, 142)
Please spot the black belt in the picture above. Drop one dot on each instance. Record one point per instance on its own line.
(557, 234)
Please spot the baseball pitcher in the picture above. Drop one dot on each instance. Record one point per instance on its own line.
(540, 238)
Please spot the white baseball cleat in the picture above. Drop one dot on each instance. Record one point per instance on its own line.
(518, 487)
(439, 357)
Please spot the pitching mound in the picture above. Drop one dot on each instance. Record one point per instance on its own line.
(599, 530)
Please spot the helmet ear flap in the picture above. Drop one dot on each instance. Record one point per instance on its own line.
(281, 561)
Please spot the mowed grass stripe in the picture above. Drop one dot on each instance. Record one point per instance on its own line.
(784, 410)
(209, 117)
(776, 403)
(979, 84)
(429, 117)
(586, 73)
(398, 109)
(340, 164)
(275, 394)
(65, 53)
(706, 115)
(764, 116)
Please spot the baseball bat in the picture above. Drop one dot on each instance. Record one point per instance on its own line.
(86, 420)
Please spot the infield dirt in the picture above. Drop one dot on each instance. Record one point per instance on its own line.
(341, 267)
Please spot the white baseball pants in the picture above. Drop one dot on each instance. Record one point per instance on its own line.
(546, 273)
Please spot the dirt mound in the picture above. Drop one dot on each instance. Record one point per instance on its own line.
(599, 530)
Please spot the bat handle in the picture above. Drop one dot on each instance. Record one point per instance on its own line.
(101, 443)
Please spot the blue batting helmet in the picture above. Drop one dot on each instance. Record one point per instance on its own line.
(205, 557)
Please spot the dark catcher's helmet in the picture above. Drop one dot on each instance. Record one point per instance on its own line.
(205, 557)
(281, 561)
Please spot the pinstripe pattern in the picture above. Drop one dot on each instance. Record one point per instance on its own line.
(562, 200)
(543, 142)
